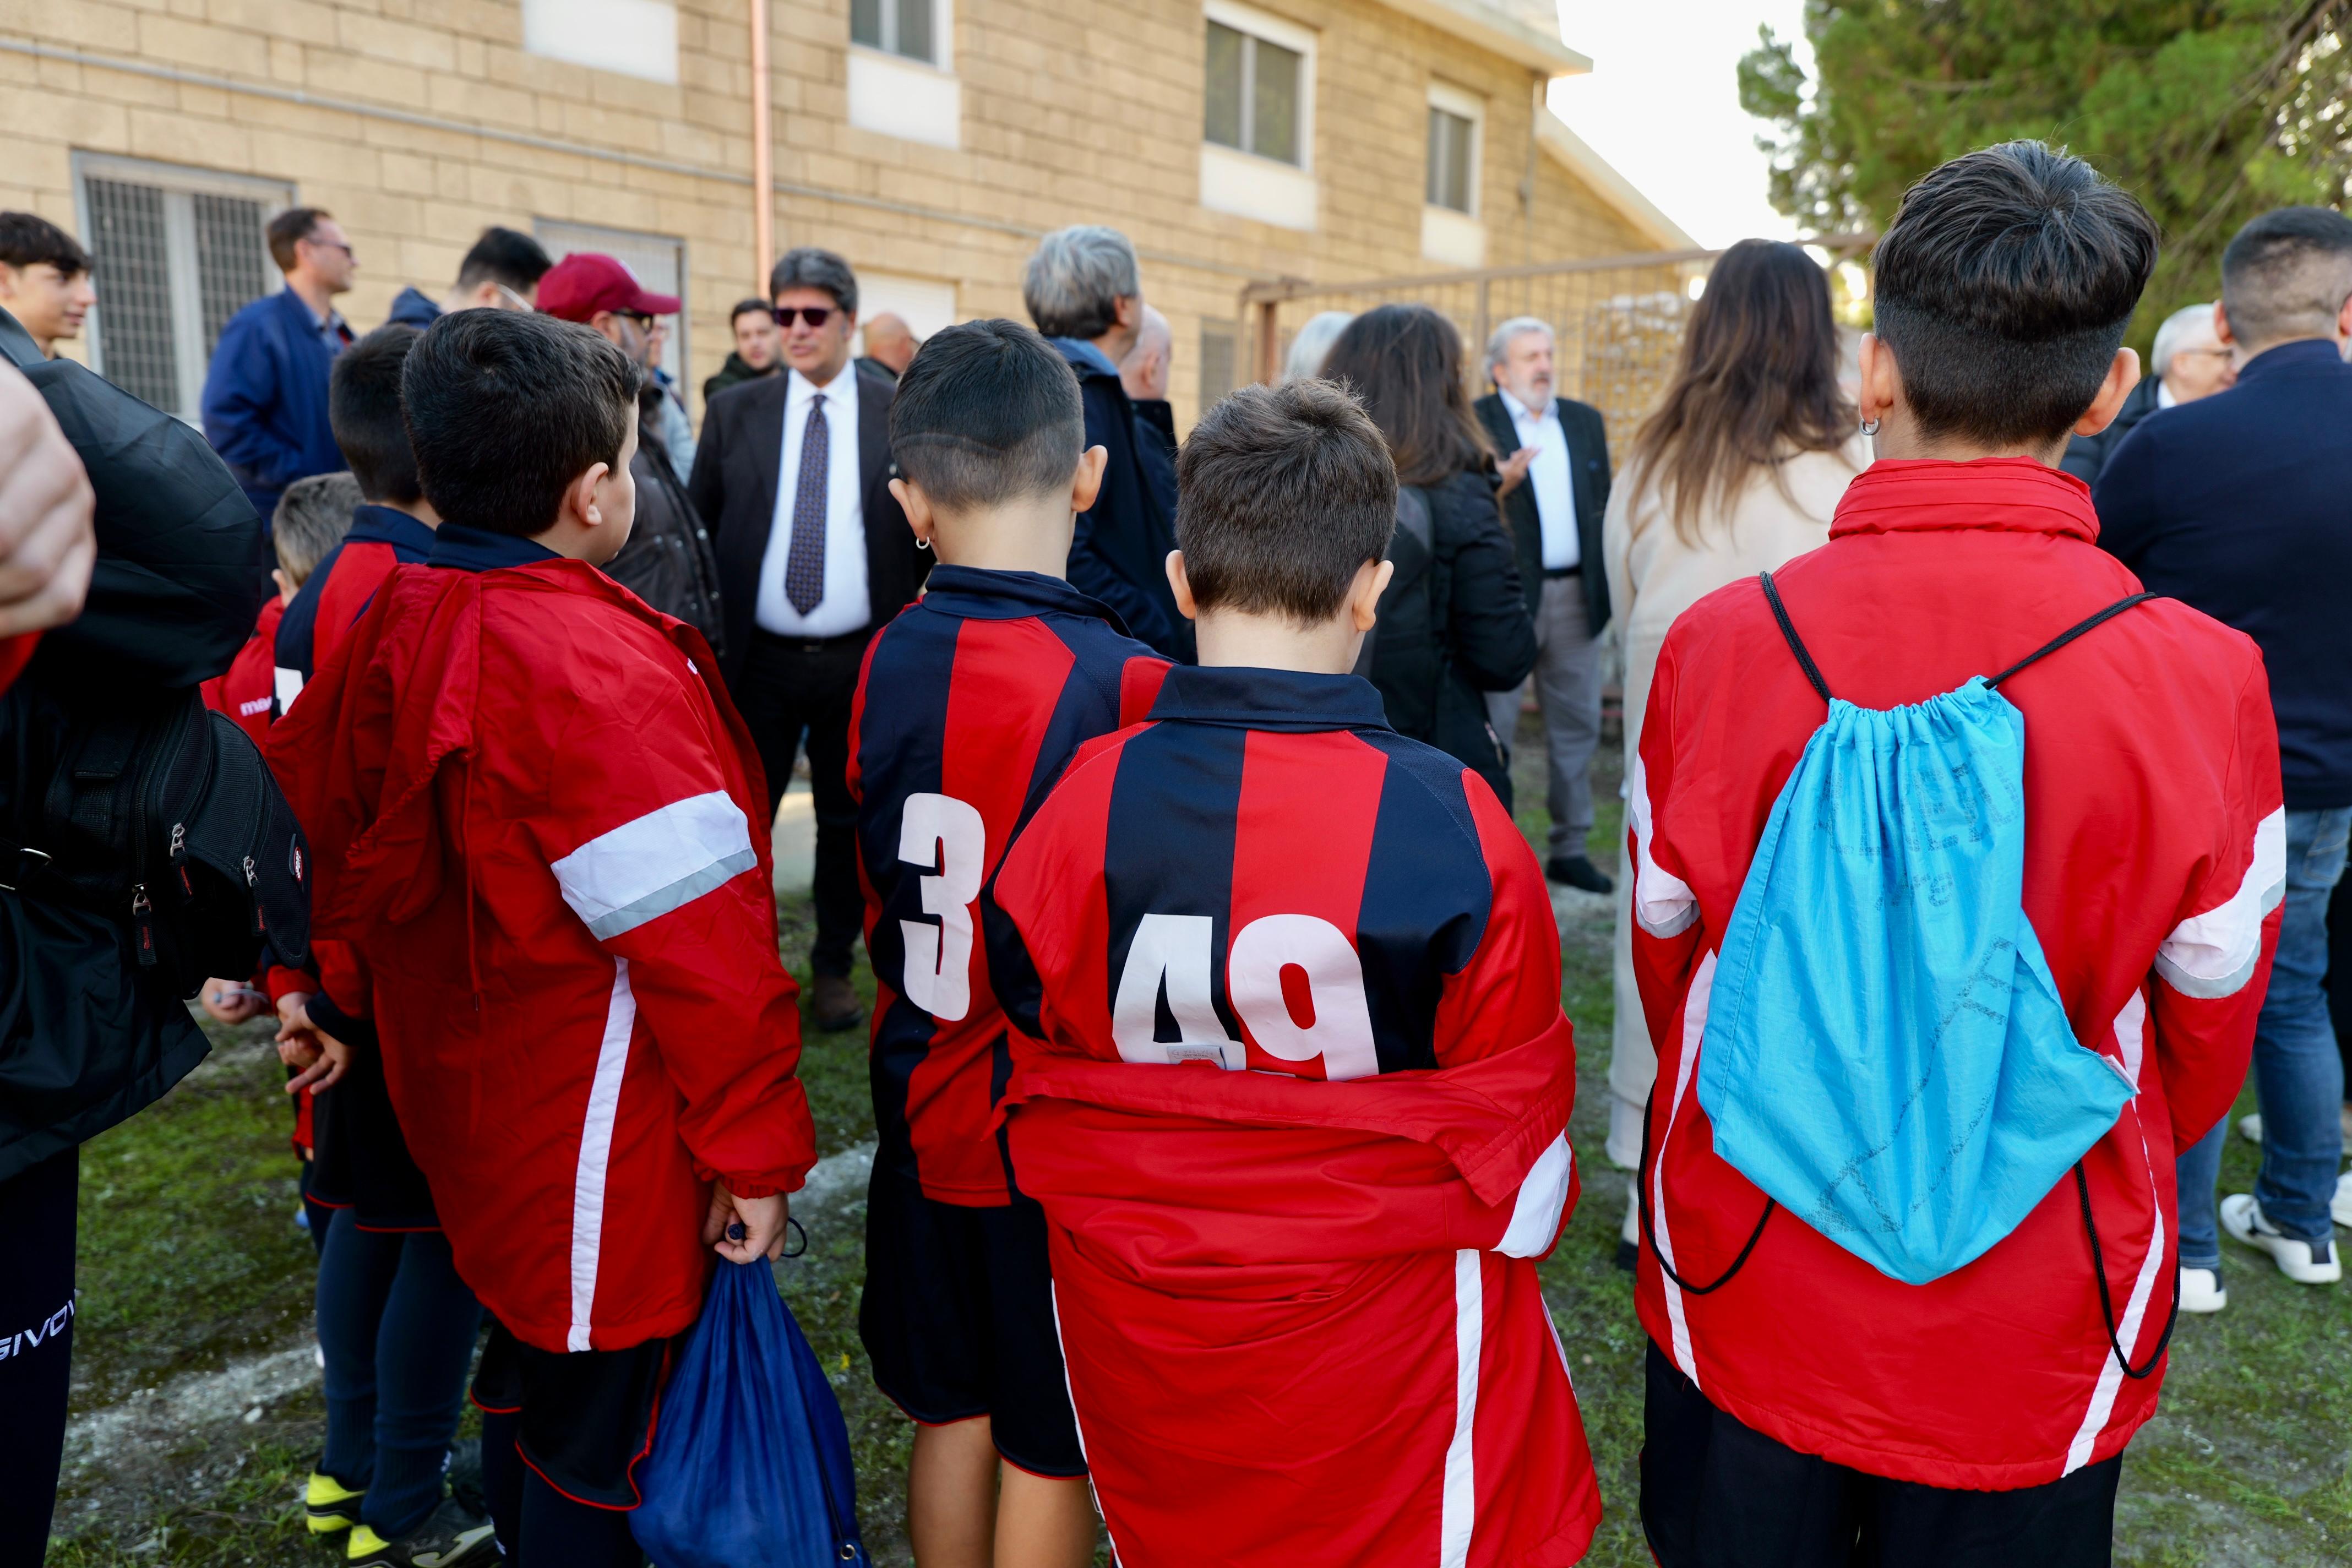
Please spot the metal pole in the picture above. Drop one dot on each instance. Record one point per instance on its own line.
(763, 173)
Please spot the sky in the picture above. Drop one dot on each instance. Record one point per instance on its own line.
(1662, 104)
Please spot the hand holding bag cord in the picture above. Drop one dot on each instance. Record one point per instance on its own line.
(749, 1466)
(1885, 1053)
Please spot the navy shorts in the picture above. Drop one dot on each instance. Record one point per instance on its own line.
(587, 1418)
(958, 1318)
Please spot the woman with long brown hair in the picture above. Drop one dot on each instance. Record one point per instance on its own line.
(1737, 471)
(1453, 622)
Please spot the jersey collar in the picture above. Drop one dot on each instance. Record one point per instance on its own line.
(479, 550)
(410, 540)
(2005, 495)
(1252, 698)
(980, 594)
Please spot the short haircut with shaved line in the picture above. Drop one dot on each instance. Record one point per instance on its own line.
(988, 412)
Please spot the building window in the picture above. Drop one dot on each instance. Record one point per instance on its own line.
(178, 251)
(901, 70)
(1218, 369)
(631, 37)
(896, 27)
(1450, 229)
(1257, 116)
(658, 262)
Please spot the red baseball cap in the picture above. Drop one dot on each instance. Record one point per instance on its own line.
(583, 283)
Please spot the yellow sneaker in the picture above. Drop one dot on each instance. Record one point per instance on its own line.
(331, 1505)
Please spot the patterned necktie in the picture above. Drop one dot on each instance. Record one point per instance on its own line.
(804, 562)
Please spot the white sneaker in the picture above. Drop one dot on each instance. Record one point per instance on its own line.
(2201, 1290)
(2304, 1262)
(2250, 1128)
(2342, 1205)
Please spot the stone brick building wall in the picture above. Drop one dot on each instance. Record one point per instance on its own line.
(418, 121)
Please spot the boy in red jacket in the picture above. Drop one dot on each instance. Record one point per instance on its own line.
(1805, 1407)
(1291, 1078)
(968, 709)
(312, 519)
(531, 804)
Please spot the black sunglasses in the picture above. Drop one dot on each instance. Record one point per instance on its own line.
(814, 315)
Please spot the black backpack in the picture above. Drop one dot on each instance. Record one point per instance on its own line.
(131, 799)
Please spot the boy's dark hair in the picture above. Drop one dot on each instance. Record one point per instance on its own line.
(27, 240)
(288, 229)
(363, 407)
(2286, 275)
(1283, 493)
(988, 411)
(749, 307)
(312, 519)
(2003, 289)
(505, 410)
(810, 267)
(504, 256)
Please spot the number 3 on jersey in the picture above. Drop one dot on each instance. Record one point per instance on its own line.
(946, 837)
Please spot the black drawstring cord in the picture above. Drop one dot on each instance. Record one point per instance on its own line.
(2107, 1297)
(1641, 1202)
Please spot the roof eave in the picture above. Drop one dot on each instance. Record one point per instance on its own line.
(1490, 30)
(1574, 153)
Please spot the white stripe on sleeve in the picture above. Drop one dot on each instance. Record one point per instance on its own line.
(1702, 991)
(596, 1155)
(664, 859)
(2214, 954)
(1535, 1215)
(1457, 1509)
(1663, 902)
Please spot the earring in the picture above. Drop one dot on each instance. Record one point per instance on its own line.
(1870, 426)
(921, 543)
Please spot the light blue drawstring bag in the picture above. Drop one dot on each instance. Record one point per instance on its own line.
(1885, 1054)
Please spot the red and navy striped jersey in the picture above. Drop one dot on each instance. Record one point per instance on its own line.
(1266, 876)
(971, 703)
(337, 593)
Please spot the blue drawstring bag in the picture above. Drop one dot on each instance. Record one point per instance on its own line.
(1885, 1054)
(750, 1466)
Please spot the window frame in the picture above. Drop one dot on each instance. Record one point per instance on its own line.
(180, 183)
(943, 33)
(1445, 99)
(1260, 26)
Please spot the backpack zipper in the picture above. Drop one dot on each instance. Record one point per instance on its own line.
(143, 924)
(253, 886)
(179, 858)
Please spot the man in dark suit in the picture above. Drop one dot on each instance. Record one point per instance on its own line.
(2236, 505)
(2188, 360)
(815, 555)
(1555, 487)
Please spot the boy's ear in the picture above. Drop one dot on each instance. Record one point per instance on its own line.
(1086, 482)
(917, 508)
(1882, 380)
(579, 506)
(1364, 594)
(2123, 374)
(284, 589)
(1181, 583)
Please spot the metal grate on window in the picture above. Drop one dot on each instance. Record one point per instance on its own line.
(134, 290)
(1217, 366)
(233, 267)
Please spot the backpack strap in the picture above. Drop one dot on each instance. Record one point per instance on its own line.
(1780, 614)
(2069, 634)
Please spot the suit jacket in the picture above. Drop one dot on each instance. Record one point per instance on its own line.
(1588, 477)
(2086, 454)
(734, 488)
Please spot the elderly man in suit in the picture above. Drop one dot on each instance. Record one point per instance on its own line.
(792, 473)
(1555, 487)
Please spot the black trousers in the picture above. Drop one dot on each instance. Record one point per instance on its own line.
(37, 1316)
(796, 692)
(1716, 1493)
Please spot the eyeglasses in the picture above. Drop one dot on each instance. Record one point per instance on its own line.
(814, 315)
(328, 245)
(645, 323)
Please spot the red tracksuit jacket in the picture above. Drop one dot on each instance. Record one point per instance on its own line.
(1299, 1303)
(244, 690)
(532, 803)
(2154, 866)
(989, 682)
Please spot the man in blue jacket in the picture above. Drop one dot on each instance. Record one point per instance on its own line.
(1084, 293)
(2235, 504)
(264, 404)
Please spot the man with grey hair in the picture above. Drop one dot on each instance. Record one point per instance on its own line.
(1555, 488)
(793, 474)
(2188, 360)
(1084, 294)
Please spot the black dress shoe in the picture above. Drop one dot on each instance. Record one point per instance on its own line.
(1578, 872)
(833, 1005)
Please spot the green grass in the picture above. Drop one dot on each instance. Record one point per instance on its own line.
(189, 1260)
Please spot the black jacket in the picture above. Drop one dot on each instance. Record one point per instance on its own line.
(1588, 474)
(1453, 625)
(1119, 555)
(181, 576)
(734, 488)
(668, 561)
(734, 373)
(2086, 454)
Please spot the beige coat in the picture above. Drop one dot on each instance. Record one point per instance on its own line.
(1654, 577)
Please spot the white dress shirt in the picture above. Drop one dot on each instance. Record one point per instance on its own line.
(845, 606)
(1548, 474)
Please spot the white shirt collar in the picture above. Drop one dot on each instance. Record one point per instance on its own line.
(800, 389)
(1520, 411)
(2164, 398)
